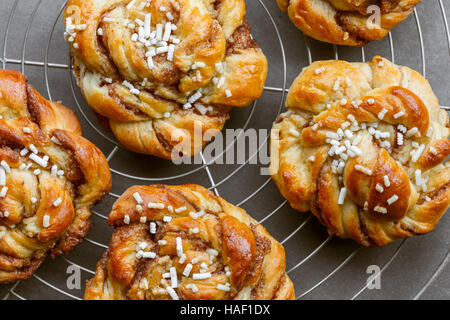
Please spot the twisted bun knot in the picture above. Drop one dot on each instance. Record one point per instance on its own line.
(182, 242)
(362, 146)
(158, 69)
(347, 22)
(50, 176)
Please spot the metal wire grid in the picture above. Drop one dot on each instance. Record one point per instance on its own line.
(310, 253)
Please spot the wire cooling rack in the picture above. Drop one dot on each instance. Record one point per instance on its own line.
(321, 266)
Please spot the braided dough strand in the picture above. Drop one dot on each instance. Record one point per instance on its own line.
(347, 22)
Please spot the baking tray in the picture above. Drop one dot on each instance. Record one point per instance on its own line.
(322, 267)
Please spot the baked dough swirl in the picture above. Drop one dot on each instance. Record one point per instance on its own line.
(183, 242)
(362, 146)
(347, 22)
(161, 70)
(50, 176)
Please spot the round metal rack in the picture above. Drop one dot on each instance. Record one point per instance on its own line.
(321, 266)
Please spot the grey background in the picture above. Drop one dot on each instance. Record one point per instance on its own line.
(31, 40)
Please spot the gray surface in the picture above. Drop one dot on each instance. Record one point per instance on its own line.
(408, 266)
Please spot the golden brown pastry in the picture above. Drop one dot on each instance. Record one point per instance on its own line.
(362, 147)
(161, 70)
(50, 176)
(183, 242)
(347, 22)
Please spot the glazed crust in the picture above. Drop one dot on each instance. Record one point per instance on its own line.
(65, 198)
(222, 240)
(347, 22)
(215, 57)
(401, 137)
